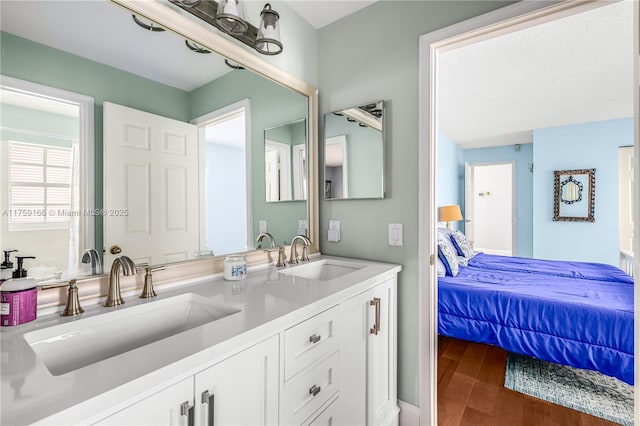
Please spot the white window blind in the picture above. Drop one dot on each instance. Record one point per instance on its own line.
(39, 186)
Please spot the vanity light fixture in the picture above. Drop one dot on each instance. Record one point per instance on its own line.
(228, 17)
(233, 65)
(196, 47)
(268, 39)
(147, 26)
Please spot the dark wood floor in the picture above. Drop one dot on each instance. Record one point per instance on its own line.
(471, 392)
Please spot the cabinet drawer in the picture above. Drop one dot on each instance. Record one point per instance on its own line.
(327, 416)
(309, 341)
(303, 394)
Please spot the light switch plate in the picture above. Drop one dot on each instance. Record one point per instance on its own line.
(334, 231)
(302, 227)
(395, 234)
(262, 224)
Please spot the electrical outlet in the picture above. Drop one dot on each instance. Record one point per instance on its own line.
(262, 224)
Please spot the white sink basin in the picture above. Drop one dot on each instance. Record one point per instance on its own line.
(324, 270)
(67, 347)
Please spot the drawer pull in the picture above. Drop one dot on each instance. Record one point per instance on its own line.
(314, 390)
(187, 410)
(376, 327)
(314, 338)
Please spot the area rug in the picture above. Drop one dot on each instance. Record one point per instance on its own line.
(583, 390)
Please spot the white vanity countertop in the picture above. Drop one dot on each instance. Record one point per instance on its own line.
(269, 301)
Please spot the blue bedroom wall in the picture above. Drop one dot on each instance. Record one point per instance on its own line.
(450, 175)
(583, 146)
(523, 184)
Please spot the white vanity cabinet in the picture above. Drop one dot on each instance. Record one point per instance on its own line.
(170, 406)
(241, 390)
(368, 358)
(328, 360)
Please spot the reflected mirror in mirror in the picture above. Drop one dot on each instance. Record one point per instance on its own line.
(285, 162)
(156, 73)
(354, 152)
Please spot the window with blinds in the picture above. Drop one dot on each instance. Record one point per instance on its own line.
(39, 186)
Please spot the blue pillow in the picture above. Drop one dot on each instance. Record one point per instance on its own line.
(448, 257)
(461, 244)
(444, 235)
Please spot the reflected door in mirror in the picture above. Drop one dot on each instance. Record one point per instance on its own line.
(150, 186)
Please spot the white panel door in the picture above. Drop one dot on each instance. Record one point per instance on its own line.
(491, 211)
(241, 390)
(150, 186)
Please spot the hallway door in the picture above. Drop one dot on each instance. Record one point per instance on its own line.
(489, 191)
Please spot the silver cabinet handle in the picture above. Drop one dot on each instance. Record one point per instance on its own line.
(314, 390)
(376, 327)
(208, 399)
(187, 410)
(314, 338)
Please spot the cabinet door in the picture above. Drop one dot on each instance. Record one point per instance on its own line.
(162, 408)
(381, 356)
(368, 361)
(241, 390)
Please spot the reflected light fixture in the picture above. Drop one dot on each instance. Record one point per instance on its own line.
(228, 17)
(268, 39)
(449, 214)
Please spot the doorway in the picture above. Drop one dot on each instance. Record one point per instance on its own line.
(505, 20)
(489, 207)
(224, 176)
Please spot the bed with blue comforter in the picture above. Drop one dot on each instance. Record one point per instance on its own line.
(573, 313)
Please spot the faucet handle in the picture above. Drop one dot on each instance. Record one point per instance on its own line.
(305, 253)
(72, 308)
(148, 290)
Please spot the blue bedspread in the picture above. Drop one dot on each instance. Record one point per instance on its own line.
(576, 314)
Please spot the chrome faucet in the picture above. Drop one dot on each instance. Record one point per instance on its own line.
(293, 255)
(272, 246)
(91, 256)
(114, 298)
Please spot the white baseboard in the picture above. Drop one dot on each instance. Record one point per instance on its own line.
(409, 414)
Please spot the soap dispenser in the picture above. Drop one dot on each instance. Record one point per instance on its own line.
(20, 272)
(6, 266)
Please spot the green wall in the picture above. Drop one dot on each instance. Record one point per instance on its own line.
(26, 60)
(373, 54)
(39, 124)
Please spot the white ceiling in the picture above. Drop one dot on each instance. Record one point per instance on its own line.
(320, 13)
(574, 70)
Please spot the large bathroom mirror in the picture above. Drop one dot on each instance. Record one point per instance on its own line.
(160, 73)
(354, 152)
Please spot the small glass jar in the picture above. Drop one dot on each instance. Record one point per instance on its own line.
(235, 267)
